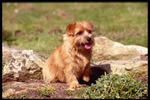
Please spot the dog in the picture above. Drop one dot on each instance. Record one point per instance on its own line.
(71, 60)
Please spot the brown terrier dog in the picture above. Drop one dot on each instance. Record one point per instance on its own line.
(71, 60)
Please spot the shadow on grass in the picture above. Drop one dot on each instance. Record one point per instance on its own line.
(96, 72)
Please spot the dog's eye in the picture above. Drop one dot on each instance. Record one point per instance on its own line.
(79, 33)
(89, 31)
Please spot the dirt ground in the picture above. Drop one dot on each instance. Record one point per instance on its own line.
(36, 89)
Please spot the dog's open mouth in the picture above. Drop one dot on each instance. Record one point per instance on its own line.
(87, 45)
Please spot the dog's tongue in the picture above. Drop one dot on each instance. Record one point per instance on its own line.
(87, 46)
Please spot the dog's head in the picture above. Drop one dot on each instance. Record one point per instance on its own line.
(80, 34)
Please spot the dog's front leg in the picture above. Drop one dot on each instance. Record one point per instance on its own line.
(71, 78)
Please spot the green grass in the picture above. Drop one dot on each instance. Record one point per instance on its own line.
(137, 40)
(121, 22)
(114, 86)
(46, 91)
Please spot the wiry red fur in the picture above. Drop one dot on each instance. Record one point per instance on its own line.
(71, 60)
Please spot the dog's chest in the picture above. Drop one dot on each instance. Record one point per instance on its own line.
(81, 61)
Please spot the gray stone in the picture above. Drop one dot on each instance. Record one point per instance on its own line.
(106, 49)
(122, 67)
(21, 65)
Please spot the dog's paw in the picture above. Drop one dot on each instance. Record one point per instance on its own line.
(73, 85)
(70, 89)
(86, 79)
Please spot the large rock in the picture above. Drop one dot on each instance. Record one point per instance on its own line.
(20, 65)
(122, 67)
(106, 49)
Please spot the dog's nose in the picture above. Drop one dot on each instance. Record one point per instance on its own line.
(88, 39)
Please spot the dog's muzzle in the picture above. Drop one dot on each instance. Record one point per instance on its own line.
(88, 44)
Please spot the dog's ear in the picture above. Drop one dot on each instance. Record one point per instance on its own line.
(91, 25)
(70, 29)
(88, 25)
